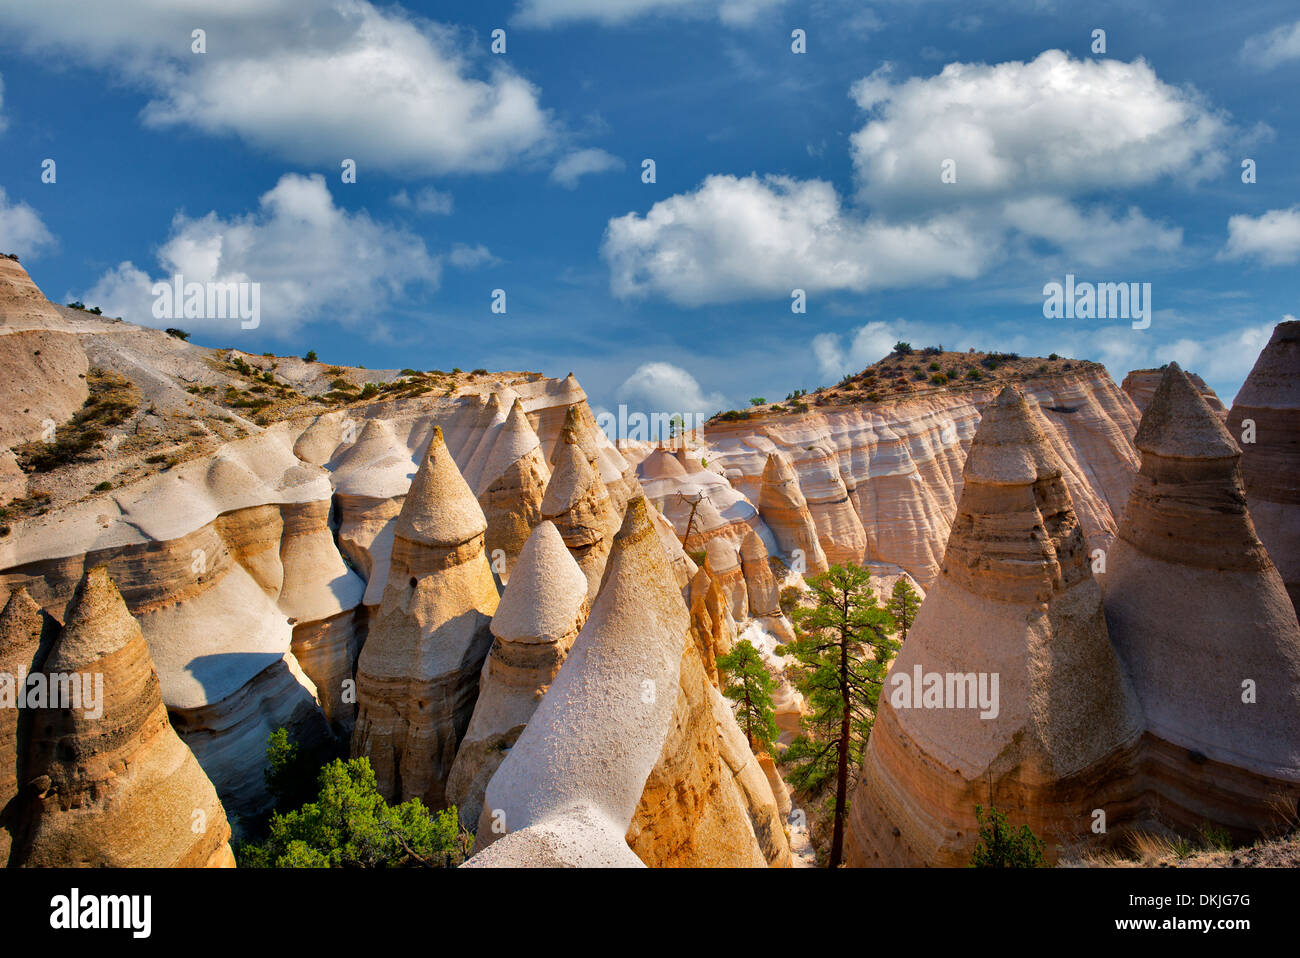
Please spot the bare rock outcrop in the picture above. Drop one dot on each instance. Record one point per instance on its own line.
(579, 504)
(1015, 603)
(111, 784)
(417, 676)
(783, 507)
(1270, 462)
(541, 611)
(1201, 618)
(1140, 384)
(512, 487)
(25, 636)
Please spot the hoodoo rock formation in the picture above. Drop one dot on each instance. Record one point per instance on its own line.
(25, 635)
(783, 507)
(417, 676)
(1269, 401)
(512, 487)
(541, 611)
(624, 756)
(1202, 620)
(1140, 384)
(109, 783)
(1015, 603)
(579, 504)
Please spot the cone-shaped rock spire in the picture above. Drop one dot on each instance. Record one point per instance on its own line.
(783, 507)
(1202, 620)
(111, 782)
(1265, 420)
(540, 614)
(513, 486)
(417, 675)
(1015, 605)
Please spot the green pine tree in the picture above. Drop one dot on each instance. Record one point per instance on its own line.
(1001, 846)
(842, 650)
(350, 825)
(903, 603)
(749, 684)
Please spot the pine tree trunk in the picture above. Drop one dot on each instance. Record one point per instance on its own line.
(842, 774)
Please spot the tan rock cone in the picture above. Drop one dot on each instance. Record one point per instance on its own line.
(1016, 600)
(118, 788)
(713, 628)
(784, 509)
(1202, 620)
(513, 486)
(540, 614)
(25, 633)
(1270, 466)
(578, 503)
(630, 745)
(417, 675)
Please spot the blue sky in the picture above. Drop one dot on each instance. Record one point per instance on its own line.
(775, 170)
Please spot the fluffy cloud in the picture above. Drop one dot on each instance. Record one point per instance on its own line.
(1093, 237)
(21, 229)
(311, 259)
(428, 200)
(550, 13)
(464, 256)
(573, 166)
(1267, 50)
(737, 237)
(1030, 141)
(663, 387)
(314, 83)
(1273, 237)
(1052, 124)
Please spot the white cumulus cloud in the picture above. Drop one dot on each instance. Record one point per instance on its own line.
(22, 230)
(1031, 141)
(311, 258)
(1273, 238)
(310, 82)
(426, 200)
(742, 236)
(663, 387)
(1051, 124)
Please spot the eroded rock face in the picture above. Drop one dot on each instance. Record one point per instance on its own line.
(783, 507)
(25, 635)
(541, 611)
(579, 504)
(1270, 465)
(900, 465)
(622, 734)
(417, 675)
(113, 785)
(1140, 384)
(1016, 600)
(512, 488)
(1202, 620)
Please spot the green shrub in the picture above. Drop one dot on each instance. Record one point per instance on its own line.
(103, 486)
(1001, 846)
(310, 356)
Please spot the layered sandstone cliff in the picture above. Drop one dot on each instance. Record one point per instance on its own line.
(417, 675)
(1016, 603)
(1202, 620)
(112, 784)
(1265, 421)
